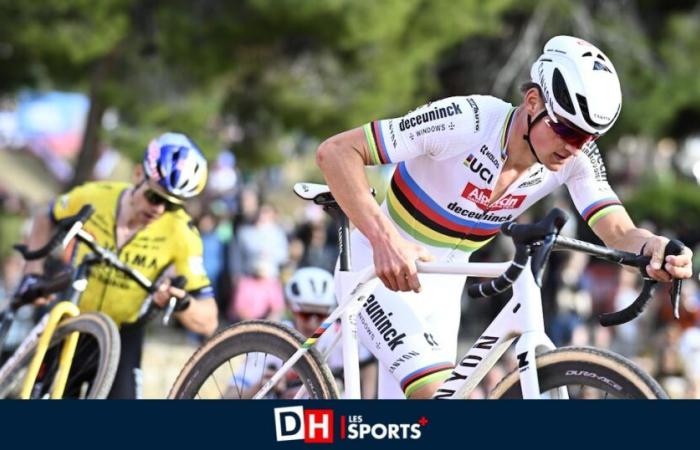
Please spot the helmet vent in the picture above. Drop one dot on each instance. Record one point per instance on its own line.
(587, 54)
(583, 104)
(295, 289)
(600, 66)
(561, 92)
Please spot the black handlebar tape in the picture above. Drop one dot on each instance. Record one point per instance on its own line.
(633, 310)
(62, 228)
(180, 282)
(529, 233)
(57, 283)
(45, 287)
(503, 282)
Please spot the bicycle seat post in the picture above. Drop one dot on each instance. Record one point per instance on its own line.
(334, 210)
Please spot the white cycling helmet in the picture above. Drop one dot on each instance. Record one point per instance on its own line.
(310, 288)
(579, 83)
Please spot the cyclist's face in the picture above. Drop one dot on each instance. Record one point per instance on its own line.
(551, 149)
(145, 209)
(554, 144)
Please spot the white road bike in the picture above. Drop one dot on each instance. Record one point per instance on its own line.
(543, 371)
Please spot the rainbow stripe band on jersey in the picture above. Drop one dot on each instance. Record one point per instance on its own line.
(419, 378)
(593, 213)
(377, 147)
(418, 215)
(504, 134)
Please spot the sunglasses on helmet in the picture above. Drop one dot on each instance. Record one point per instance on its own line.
(154, 198)
(572, 136)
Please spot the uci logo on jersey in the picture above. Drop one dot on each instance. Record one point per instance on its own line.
(478, 168)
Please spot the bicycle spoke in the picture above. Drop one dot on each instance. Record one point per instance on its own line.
(235, 382)
(216, 383)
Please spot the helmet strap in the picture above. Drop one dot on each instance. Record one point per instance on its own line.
(531, 123)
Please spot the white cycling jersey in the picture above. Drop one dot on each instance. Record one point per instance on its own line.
(449, 155)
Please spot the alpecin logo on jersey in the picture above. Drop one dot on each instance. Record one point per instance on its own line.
(480, 197)
(478, 168)
(429, 116)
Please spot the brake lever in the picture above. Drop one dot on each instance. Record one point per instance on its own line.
(675, 247)
(540, 256)
(178, 282)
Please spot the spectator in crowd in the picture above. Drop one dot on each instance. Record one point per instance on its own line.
(310, 295)
(213, 251)
(259, 251)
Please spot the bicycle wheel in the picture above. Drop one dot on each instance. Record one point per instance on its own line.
(232, 364)
(92, 370)
(585, 373)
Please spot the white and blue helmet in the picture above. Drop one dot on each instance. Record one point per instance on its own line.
(176, 164)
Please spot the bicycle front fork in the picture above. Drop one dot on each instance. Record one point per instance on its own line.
(57, 313)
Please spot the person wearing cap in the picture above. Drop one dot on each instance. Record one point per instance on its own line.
(464, 166)
(146, 225)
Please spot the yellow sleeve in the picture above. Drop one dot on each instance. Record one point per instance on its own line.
(189, 262)
(69, 203)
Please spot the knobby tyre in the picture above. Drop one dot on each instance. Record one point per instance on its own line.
(230, 364)
(94, 364)
(586, 373)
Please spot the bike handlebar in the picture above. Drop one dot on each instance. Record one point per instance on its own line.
(524, 236)
(631, 312)
(536, 241)
(66, 229)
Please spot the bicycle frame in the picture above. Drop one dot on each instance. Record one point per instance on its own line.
(43, 332)
(521, 317)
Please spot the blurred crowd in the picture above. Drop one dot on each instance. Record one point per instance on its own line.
(250, 250)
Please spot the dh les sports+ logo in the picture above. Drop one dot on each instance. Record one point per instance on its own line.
(317, 426)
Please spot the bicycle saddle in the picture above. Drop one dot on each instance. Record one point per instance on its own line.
(309, 191)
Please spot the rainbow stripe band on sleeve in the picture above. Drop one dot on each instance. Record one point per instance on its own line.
(593, 213)
(377, 147)
(414, 380)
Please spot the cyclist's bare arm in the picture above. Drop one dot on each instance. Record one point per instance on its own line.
(200, 317)
(618, 231)
(342, 159)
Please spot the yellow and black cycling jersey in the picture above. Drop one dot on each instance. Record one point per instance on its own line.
(171, 240)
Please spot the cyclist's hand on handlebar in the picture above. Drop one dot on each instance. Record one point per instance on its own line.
(28, 291)
(395, 263)
(671, 267)
(165, 291)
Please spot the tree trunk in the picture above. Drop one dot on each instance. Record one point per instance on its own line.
(89, 149)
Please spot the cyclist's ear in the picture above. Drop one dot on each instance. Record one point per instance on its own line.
(138, 175)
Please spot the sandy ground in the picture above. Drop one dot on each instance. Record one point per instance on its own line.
(165, 352)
